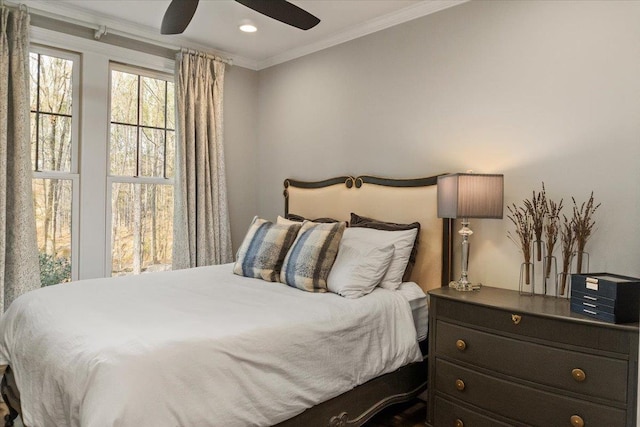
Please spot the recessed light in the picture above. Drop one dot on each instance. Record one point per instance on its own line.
(247, 26)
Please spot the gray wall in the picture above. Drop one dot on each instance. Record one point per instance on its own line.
(539, 91)
(240, 134)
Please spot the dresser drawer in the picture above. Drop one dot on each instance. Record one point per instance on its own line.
(446, 414)
(549, 329)
(597, 376)
(519, 402)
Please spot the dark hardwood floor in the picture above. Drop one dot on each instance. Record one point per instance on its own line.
(410, 414)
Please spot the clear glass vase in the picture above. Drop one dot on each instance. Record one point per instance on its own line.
(563, 284)
(538, 249)
(580, 262)
(527, 278)
(550, 276)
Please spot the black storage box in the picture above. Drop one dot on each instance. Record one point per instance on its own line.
(608, 297)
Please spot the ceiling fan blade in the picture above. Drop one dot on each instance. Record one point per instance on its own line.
(283, 11)
(178, 16)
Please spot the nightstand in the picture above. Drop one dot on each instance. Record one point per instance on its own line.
(497, 358)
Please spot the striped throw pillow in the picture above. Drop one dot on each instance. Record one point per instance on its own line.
(264, 248)
(308, 262)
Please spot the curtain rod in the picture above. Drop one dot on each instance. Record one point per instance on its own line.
(206, 55)
(22, 7)
(101, 34)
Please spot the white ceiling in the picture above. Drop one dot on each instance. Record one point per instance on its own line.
(215, 24)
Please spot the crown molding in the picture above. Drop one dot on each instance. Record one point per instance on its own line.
(72, 14)
(399, 17)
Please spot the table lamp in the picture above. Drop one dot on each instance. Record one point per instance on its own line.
(469, 195)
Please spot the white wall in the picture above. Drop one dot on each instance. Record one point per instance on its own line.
(539, 91)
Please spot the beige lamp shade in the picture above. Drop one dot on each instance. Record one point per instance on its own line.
(468, 195)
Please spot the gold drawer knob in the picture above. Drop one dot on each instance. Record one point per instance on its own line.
(459, 385)
(516, 318)
(461, 345)
(578, 375)
(577, 421)
(458, 423)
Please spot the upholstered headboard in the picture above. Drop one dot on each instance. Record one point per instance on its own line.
(392, 200)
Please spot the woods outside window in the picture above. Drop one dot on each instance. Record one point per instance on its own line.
(54, 154)
(141, 160)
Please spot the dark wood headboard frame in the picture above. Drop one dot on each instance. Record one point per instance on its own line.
(350, 182)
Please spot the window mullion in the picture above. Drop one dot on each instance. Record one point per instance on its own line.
(138, 124)
(164, 153)
(37, 159)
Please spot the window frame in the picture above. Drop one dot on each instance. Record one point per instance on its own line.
(73, 175)
(111, 179)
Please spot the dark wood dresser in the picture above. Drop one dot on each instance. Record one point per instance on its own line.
(497, 358)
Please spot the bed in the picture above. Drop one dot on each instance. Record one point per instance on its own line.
(192, 357)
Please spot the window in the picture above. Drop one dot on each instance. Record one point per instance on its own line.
(141, 160)
(102, 179)
(54, 148)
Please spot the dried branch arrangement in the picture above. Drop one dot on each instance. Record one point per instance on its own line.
(551, 229)
(523, 237)
(537, 208)
(567, 243)
(583, 224)
(541, 216)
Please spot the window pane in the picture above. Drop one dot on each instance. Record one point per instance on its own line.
(152, 152)
(141, 228)
(171, 110)
(51, 88)
(171, 153)
(52, 202)
(141, 154)
(54, 142)
(55, 85)
(34, 145)
(124, 97)
(122, 151)
(153, 102)
(33, 86)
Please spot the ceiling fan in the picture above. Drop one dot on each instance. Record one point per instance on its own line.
(179, 14)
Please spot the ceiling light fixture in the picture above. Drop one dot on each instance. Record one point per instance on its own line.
(247, 26)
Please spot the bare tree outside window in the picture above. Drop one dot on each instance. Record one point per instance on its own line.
(140, 156)
(141, 159)
(52, 159)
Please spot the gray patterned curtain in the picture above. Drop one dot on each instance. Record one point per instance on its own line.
(19, 266)
(201, 232)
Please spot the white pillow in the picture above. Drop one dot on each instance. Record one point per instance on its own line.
(284, 221)
(358, 268)
(402, 242)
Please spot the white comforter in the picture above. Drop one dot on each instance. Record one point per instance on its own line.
(199, 347)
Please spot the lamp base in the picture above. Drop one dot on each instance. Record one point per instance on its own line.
(464, 286)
